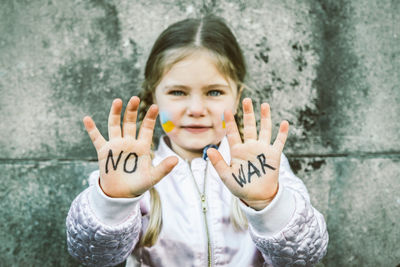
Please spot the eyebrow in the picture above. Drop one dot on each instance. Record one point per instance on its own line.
(176, 86)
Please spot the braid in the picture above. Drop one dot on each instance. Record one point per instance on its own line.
(237, 217)
(239, 119)
(155, 220)
(239, 112)
(146, 100)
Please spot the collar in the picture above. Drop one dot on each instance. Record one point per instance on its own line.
(163, 151)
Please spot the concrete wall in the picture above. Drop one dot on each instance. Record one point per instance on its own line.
(330, 67)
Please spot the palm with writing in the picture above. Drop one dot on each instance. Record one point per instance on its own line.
(254, 170)
(124, 161)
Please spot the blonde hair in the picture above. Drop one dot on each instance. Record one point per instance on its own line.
(209, 34)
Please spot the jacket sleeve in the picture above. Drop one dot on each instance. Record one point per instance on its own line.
(289, 230)
(102, 231)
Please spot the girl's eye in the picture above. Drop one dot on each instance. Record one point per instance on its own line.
(214, 93)
(176, 93)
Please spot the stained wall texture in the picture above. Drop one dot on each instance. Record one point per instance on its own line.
(330, 67)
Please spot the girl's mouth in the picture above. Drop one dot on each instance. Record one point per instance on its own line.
(196, 128)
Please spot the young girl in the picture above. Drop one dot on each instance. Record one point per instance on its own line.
(204, 197)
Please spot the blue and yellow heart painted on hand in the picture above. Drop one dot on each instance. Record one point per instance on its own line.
(166, 122)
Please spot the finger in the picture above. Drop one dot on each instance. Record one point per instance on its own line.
(130, 115)
(282, 135)
(249, 121)
(94, 133)
(219, 163)
(232, 131)
(162, 169)
(265, 125)
(147, 127)
(114, 119)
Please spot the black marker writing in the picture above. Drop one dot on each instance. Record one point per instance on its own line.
(255, 170)
(251, 170)
(115, 164)
(110, 156)
(261, 158)
(242, 178)
(126, 160)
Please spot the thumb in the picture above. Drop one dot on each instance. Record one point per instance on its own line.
(162, 169)
(218, 162)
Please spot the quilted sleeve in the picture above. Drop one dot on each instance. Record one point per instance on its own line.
(289, 231)
(102, 231)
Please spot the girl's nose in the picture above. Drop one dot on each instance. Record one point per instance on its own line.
(196, 106)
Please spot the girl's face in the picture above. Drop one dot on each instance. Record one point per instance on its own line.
(192, 97)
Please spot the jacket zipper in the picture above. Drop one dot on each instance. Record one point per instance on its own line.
(204, 206)
(204, 209)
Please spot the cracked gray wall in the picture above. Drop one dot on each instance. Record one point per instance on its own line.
(331, 68)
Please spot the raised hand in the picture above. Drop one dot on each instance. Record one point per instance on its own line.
(124, 161)
(254, 170)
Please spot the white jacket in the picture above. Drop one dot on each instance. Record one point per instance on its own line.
(104, 231)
